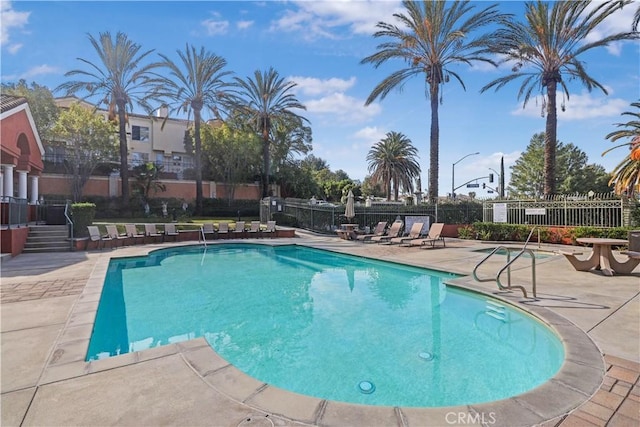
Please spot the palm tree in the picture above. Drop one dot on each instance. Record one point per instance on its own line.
(546, 47)
(393, 160)
(626, 175)
(266, 102)
(120, 79)
(433, 36)
(193, 84)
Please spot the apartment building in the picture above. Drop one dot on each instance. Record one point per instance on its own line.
(148, 140)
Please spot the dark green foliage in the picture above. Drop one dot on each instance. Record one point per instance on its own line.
(285, 220)
(82, 215)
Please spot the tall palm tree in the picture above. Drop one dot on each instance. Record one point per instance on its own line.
(432, 37)
(194, 83)
(546, 47)
(393, 160)
(265, 101)
(626, 175)
(120, 79)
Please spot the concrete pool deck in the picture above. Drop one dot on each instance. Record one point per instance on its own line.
(49, 301)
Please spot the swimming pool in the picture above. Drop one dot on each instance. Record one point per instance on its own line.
(327, 325)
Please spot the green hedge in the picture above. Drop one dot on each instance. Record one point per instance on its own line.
(82, 215)
(518, 233)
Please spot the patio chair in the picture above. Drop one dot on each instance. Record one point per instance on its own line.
(208, 230)
(254, 229)
(434, 236)
(112, 232)
(414, 233)
(95, 236)
(223, 230)
(378, 231)
(394, 231)
(170, 231)
(271, 229)
(151, 231)
(238, 231)
(132, 232)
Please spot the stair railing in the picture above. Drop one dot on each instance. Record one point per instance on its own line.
(67, 216)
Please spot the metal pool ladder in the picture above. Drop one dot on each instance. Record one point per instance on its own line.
(507, 268)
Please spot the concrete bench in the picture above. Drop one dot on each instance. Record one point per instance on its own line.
(631, 254)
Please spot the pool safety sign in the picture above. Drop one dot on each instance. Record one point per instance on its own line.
(535, 211)
(500, 212)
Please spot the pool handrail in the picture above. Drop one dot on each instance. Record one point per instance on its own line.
(507, 267)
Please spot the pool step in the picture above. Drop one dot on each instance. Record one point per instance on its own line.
(495, 310)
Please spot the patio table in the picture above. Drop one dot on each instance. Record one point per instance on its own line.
(602, 257)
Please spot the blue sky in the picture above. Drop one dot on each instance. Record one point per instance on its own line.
(319, 45)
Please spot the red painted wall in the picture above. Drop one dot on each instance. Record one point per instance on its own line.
(13, 240)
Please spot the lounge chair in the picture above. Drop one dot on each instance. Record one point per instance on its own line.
(254, 229)
(223, 229)
(208, 229)
(170, 231)
(414, 233)
(394, 231)
(112, 232)
(151, 231)
(434, 236)
(378, 231)
(95, 236)
(271, 228)
(238, 231)
(132, 232)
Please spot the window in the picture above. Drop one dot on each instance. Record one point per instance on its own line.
(139, 158)
(140, 133)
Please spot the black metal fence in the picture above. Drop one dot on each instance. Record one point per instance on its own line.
(14, 212)
(326, 218)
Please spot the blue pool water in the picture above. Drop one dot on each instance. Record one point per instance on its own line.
(327, 325)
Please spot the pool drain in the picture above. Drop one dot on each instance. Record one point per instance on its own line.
(366, 387)
(425, 355)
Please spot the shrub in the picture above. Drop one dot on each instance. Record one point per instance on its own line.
(285, 220)
(82, 215)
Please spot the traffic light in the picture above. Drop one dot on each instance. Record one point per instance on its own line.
(490, 177)
(484, 185)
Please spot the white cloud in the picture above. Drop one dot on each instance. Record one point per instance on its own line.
(320, 19)
(14, 48)
(215, 27)
(10, 20)
(370, 134)
(243, 25)
(313, 86)
(618, 22)
(343, 108)
(578, 107)
(33, 72)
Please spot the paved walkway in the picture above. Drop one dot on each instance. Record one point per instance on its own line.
(48, 306)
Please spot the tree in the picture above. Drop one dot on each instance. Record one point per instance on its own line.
(432, 37)
(88, 141)
(41, 104)
(194, 84)
(266, 102)
(147, 179)
(393, 161)
(625, 178)
(546, 47)
(574, 173)
(120, 79)
(234, 155)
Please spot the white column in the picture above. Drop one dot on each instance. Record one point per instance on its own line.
(34, 189)
(8, 180)
(22, 184)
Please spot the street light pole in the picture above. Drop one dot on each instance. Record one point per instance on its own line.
(453, 173)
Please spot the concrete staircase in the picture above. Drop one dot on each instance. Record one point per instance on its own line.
(47, 238)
